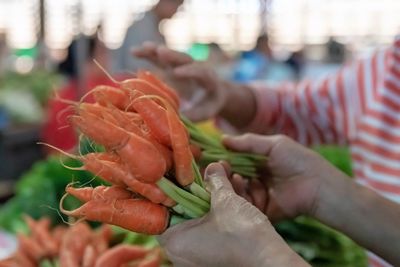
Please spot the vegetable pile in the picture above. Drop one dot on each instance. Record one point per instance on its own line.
(147, 158)
(77, 245)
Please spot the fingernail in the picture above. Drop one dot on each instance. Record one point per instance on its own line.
(214, 170)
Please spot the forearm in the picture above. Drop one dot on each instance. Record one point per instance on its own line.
(240, 104)
(366, 217)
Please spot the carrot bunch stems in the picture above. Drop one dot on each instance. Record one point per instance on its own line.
(213, 150)
(191, 205)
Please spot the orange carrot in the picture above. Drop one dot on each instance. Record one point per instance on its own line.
(58, 234)
(100, 131)
(120, 254)
(74, 242)
(23, 260)
(147, 88)
(182, 154)
(196, 151)
(153, 79)
(106, 193)
(102, 238)
(111, 170)
(153, 259)
(123, 120)
(41, 232)
(136, 215)
(89, 256)
(108, 95)
(148, 168)
(155, 118)
(31, 248)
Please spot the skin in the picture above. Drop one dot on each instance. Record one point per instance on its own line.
(299, 181)
(234, 233)
(188, 77)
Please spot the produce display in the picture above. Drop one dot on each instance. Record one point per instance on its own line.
(77, 245)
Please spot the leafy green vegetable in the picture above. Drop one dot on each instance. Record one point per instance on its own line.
(39, 190)
(320, 245)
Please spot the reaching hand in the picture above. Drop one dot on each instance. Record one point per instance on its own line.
(293, 175)
(197, 84)
(234, 233)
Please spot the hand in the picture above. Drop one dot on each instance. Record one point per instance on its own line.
(292, 180)
(195, 81)
(233, 233)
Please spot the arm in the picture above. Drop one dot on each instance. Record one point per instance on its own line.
(368, 218)
(299, 181)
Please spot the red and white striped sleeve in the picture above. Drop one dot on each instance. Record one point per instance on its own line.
(325, 111)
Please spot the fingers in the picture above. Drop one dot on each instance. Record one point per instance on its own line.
(197, 72)
(171, 57)
(161, 55)
(240, 185)
(259, 194)
(147, 51)
(252, 143)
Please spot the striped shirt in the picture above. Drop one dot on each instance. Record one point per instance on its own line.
(358, 106)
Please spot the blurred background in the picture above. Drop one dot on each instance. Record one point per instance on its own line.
(47, 47)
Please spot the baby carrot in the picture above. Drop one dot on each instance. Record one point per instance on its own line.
(137, 215)
(120, 254)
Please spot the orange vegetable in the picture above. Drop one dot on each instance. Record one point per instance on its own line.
(136, 215)
(105, 193)
(74, 242)
(147, 88)
(120, 255)
(153, 79)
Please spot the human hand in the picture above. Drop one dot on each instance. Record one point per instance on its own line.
(292, 179)
(234, 233)
(195, 82)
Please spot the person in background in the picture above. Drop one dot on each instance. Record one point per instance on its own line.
(260, 64)
(143, 30)
(56, 130)
(235, 233)
(358, 106)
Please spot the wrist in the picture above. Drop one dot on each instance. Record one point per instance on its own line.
(331, 192)
(234, 96)
(278, 254)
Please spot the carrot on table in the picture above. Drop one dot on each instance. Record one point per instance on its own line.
(74, 242)
(121, 254)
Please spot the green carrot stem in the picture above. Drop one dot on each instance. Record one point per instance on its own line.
(176, 220)
(178, 209)
(200, 192)
(187, 195)
(187, 200)
(198, 179)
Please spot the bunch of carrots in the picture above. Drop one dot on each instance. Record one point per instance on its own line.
(76, 246)
(154, 180)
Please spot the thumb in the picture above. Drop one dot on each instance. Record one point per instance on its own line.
(253, 143)
(216, 179)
